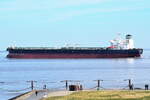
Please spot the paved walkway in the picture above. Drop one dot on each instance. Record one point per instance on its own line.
(59, 93)
(43, 94)
(38, 96)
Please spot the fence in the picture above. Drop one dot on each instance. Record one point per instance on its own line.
(126, 84)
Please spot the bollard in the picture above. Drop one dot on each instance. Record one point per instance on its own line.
(131, 87)
(146, 86)
(32, 84)
(66, 84)
(81, 88)
(98, 84)
(44, 87)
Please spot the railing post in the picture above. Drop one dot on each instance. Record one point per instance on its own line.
(32, 84)
(66, 84)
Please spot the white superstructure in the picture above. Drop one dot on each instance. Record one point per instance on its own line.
(119, 43)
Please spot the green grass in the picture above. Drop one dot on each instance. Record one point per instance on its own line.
(105, 95)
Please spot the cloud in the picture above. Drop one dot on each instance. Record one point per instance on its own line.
(45, 4)
(18, 5)
(80, 2)
(59, 10)
(68, 15)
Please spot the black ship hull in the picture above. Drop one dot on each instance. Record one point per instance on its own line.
(49, 53)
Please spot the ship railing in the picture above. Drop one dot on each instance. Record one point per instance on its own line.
(49, 48)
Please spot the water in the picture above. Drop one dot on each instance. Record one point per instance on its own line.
(15, 74)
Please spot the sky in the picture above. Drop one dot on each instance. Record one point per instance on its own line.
(55, 23)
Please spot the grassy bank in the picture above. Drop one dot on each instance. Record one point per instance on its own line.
(105, 95)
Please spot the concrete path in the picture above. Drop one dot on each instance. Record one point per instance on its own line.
(43, 94)
(37, 96)
(59, 93)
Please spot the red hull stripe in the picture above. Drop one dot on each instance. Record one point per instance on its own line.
(51, 56)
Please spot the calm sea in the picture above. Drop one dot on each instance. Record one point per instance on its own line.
(15, 74)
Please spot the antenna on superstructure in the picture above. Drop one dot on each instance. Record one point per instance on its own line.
(66, 45)
(117, 42)
(13, 45)
(76, 45)
(119, 35)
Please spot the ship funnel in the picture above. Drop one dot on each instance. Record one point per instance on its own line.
(128, 36)
(129, 42)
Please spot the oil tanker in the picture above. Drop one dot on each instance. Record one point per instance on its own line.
(119, 48)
